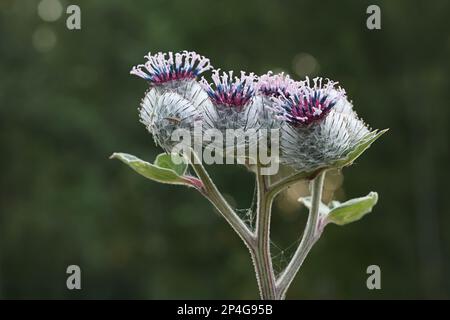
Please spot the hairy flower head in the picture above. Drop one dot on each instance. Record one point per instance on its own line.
(320, 126)
(234, 107)
(161, 68)
(175, 100)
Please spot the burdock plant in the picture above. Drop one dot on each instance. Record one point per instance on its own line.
(318, 130)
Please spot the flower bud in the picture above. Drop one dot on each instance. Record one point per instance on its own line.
(175, 99)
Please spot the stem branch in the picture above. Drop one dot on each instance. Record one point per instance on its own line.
(310, 236)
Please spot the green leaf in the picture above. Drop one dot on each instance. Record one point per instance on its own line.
(352, 210)
(163, 170)
(365, 143)
(165, 160)
(323, 208)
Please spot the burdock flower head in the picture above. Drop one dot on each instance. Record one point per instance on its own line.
(233, 99)
(174, 100)
(234, 113)
(319, 125)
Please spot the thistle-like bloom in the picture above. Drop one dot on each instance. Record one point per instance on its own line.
(234, 108)
(175, 100)
(320, 126)
(161, 67)
(232, 98)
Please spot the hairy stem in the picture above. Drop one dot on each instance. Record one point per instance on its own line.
(310, 236)
(261, 255)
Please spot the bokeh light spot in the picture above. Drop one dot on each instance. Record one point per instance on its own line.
(44, 39)
(305, 64)
(49, 10)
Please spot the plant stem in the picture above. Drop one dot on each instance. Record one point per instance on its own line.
(310, 236)
(215, 197)
(261, 255)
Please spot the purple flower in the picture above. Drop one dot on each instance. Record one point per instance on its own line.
(165, 67)
(234, 93)
(308, 104)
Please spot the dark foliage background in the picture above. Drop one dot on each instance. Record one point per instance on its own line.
(67, 102)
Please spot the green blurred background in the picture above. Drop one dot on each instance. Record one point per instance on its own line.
(67, 102)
